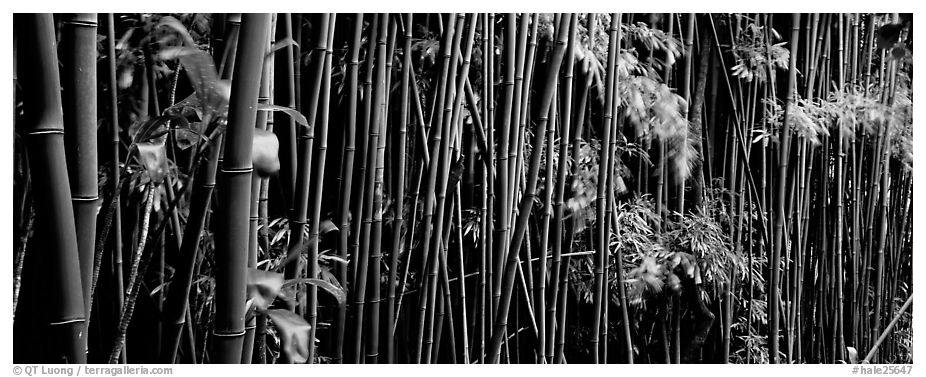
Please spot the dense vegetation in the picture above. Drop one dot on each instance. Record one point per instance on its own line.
(463, 188)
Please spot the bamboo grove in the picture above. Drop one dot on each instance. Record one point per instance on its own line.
(463, 188)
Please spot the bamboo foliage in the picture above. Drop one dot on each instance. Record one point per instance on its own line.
(464, 188)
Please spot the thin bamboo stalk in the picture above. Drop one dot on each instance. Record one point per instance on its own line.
(318, 190)
(437, 134)
(176, 303)
(777, 243)
(346, 180)
(603, 228)
(113, 115)
(399, 207)
(526, 204)
(284, 88)
(380, 124)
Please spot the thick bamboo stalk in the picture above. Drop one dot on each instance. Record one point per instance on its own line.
(62, 323)
(261, 123)
(79, 100)
(231, 228)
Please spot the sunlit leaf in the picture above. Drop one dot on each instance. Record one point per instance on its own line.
(297, 116)
(294, 334)
(177, 26)
(153, 156)
(326, 226)
(265, 153)
(263, 287)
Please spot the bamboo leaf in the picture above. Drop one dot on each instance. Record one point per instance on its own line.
(297, 116)
(281, 44)
(213, 94)
(265, 149)
(294, 334)
(177, 26)
(263, 287)
(852, 354)
(328, 257)
(153, 156)
(888, 35)
(326, 226)
(335, 291)
(187, 137)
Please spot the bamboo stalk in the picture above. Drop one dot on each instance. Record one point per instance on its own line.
(261, 123)
(437, 134)
(346, 180)
(503, 221)
(231, 240)
(559, 193)
(887, 330)
(526, 204)
(113, 115)
(453, 100)
(176, 303)
(399, 207)
(62, 326)
(284, 94)
(603, 189)
(79, 100)
(777, 243)
(380, 117)
(318, 191)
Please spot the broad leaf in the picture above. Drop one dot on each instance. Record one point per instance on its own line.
(294, 334)
(153, 156)
(326, 226)
(263, 287)
(213, 94)
(265, 153)
(177, 26)
(188, 137)
(852, 354)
